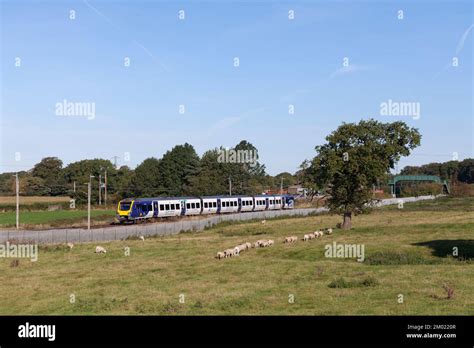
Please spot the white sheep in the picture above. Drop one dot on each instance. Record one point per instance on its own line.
(271, 242)
(264, 244)
(70, 245)
(229, 252)
(248, 245)
(99, 250)
(294, 239)
(236, 251)
(220, 255)
(264, 222)
(142, 238)
(288, 240)
(312, 236)
(306, 237)
(329, 230)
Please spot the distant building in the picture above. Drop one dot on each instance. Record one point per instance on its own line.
(297, 190)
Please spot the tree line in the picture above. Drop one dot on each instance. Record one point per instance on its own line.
(179, 172)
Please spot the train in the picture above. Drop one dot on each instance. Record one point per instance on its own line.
(142, 209)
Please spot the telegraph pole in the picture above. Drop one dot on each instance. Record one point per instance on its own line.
(230, 186)
(100, 188)
(281, 186)
(74, 186)
(17, 188)
(105, 188)
(89, 189)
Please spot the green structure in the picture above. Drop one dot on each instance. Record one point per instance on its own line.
(416, 178)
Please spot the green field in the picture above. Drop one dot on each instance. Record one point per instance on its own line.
(406, 253)
(55, 218)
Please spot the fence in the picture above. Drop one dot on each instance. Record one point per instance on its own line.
(57, 236)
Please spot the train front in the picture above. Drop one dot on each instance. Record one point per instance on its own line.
(124, 210)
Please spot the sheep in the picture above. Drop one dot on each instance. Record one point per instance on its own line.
(312, 236)
(329, 230)
(248, 245)
(264, 244)
(264, 222)
(306, 237)
(287, 240)
(228, 252)
(271, 242)
(236, 251)
(142, 238)
(70, 245)
(220, 255)
(99, 250)
(294, 239)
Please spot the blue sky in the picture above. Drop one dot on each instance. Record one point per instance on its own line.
(190, 62)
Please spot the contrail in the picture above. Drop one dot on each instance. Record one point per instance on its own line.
(108, 20)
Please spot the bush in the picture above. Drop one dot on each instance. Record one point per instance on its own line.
(395, 258)
(423, 189)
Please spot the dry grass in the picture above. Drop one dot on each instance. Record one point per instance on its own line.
(32, 199)
(260, 281)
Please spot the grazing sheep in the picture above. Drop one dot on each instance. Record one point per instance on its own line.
(99, 250)
(271, 242)
(70, 245)
(142, 238)
(287, 240)
(306, 237)
(329, 230)
(312, 236)
(294, 239)
(248, 245)
(264, 244)
(236, 251)
(264, 222)
(220, 255)
(228, 252)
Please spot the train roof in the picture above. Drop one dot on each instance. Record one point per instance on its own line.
(147, 199)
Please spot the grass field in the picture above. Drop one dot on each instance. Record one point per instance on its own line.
(405, 254)
(33, 199)
(43, 219)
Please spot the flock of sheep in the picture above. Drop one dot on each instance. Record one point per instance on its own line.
(265, 243)
(261, 243)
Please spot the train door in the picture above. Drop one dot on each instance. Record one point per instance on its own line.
(183, 207)
(239, 205)
(266, 203)
(218, 205)
(155, 208)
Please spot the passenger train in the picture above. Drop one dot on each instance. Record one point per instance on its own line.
(140, 209)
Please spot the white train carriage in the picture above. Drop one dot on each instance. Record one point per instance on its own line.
(275, 202)
(259, 203)
(209, 206)
(192, 206)
(228, 205)
(169, 207)
(246, 203)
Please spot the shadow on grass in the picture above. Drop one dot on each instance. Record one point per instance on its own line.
(446, 247)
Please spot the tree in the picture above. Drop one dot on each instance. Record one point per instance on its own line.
(355, 157)
(145, 181)
(49, 178)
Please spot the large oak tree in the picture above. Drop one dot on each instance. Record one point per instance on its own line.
(356, 157)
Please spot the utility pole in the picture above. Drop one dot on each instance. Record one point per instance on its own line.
(115, 161)
(89, 189)
(105, 188)
(281, 186)
(17, 189)
(100, 189)
(74, 186)
(230, 186)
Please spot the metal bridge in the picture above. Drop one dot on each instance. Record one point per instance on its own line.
(416, 178)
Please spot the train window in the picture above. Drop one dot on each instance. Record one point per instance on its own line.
(162, 207)
(149, 207)
(193, 205)
(205, 204)
(188, 205)
(214, 204)
(167, 206)
(198, 205)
